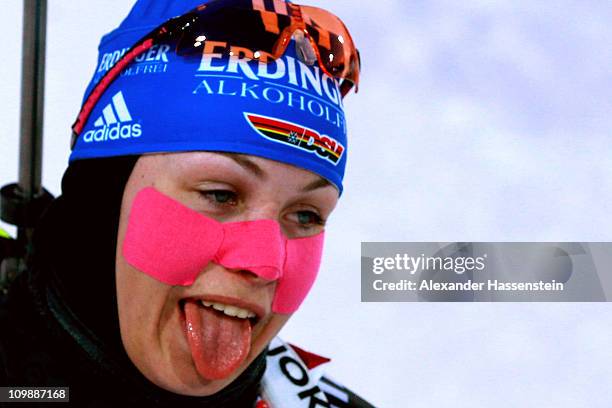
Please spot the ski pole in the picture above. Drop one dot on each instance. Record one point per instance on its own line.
(22, 203)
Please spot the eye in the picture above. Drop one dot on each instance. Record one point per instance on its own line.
(303, 223)
(220, 197)
(308, 219)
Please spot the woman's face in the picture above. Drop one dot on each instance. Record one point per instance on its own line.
(228, 187)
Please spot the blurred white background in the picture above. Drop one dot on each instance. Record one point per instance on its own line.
(476, 120)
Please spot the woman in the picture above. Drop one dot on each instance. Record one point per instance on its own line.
(207, 156)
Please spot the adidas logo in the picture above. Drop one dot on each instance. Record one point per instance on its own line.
(113, 123)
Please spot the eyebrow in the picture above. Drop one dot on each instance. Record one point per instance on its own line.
(318, 183)
(246, 164)
(250, 165)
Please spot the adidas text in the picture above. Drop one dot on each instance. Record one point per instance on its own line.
(113, 124)
(113, 132)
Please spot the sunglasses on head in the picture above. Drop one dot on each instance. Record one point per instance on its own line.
(262, 29)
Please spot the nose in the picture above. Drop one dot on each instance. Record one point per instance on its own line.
(264, 209)
(269, 210)
(257, 247)
(249, 276)
(246, 274)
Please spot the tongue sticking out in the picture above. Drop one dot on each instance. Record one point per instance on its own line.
(218, 343)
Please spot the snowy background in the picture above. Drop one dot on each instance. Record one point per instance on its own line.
(476, 120)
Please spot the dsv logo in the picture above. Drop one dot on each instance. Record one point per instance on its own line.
(114, 123)
(299, 137)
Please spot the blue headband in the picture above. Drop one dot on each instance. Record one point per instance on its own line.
(284, 111)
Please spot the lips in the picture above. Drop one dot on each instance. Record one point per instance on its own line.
(219, 335)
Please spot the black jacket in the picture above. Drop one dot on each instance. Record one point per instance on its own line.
(42, 343)
(60, 323)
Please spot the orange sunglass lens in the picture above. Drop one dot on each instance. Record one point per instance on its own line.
(335, 45)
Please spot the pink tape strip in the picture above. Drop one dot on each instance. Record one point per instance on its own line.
(173, 244)
(168, 241)
(257, 246)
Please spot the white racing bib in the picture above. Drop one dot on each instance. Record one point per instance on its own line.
(288, 383)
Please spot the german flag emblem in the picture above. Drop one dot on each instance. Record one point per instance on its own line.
(297, 136)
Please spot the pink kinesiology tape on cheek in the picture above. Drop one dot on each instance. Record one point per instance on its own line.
(300, 272)
(173, 244)
(167, 240)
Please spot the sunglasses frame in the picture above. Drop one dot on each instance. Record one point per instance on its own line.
(168, 29)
